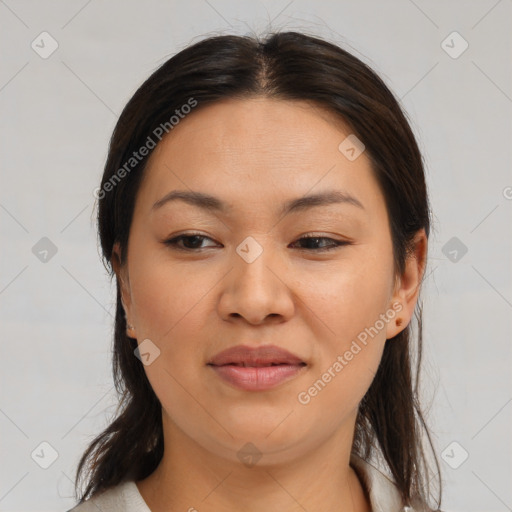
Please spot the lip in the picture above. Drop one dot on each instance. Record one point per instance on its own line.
(251, 378)
(256, 369)
(258, 356)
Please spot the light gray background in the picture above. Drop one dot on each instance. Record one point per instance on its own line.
(57, 116)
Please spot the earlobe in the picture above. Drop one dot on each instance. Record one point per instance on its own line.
(396, 324)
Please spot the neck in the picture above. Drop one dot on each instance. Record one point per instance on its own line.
(189, 477)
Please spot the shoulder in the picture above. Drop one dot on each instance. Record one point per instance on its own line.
(124, 497)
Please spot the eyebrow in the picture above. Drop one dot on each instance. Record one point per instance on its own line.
(214, 204)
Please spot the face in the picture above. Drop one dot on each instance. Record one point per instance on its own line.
(247, 276)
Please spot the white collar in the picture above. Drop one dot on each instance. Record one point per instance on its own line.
(383, 493)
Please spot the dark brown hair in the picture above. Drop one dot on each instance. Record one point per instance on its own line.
(287, 66)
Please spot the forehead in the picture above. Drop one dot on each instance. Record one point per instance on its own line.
(269, 126)
(257, 151)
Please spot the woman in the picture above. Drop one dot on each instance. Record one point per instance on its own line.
(265, 214)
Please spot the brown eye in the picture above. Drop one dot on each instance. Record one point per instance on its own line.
(191, 242)
(313, 241)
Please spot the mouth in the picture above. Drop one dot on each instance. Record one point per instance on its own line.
(256, 369)
(266, 355)
(257, 378)
(247, 364)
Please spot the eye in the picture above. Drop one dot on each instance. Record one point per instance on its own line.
(312, 240)
(192, 240)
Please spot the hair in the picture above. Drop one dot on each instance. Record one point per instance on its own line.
(283, 66)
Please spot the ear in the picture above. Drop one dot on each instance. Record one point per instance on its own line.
(407, 286)
(122, 279)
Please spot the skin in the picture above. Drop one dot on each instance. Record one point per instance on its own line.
(255, 154)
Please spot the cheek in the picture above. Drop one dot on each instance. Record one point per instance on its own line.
(349, 352)
(173, 308)
(350, 298)
(352, 306)
(165, 298)
(170, 308)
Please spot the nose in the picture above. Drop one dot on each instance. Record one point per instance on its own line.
(257, 291)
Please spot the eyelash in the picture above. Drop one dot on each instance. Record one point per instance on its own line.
(335, 244)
